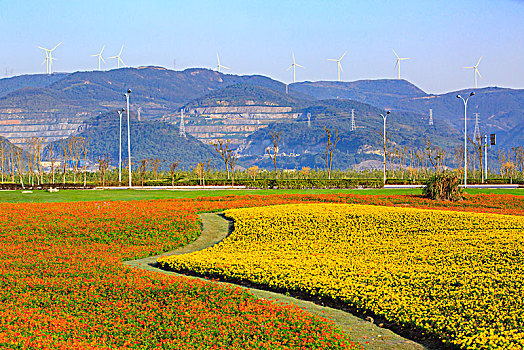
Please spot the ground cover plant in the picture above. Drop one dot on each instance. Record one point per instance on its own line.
(456, 275)
(62, 284)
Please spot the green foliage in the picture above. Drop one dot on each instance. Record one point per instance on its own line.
(443, 186)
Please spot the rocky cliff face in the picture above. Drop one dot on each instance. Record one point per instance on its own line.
(235, 123)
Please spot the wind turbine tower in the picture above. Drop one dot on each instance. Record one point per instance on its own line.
(476, 133)
(119, 58)
(100, 58)
(182, 131)
(476, 71)
(339, 66)
(219, 65)
(294, 65)
(353, 127)
(430, 116)
(398, 62)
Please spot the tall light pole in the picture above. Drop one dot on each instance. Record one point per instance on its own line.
(385, 117)
(465, 137)
(120, 147)
(128, 136)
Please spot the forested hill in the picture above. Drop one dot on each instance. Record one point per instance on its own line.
(149, 140)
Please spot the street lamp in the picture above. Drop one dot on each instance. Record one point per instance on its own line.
(128, 136)
(120, 147)
(385, 117)
(465, 137)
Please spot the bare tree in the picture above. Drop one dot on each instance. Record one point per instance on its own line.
(233, 158)
(103, 165)
(275, 140)
(331, 143)
(52, 159)
(201, 170)
(478, 146)
(222, 147)
(434, 154)
(84, 147)
(143, 169)
(19, 163)
(155, 164)
(172, 171)
(2, 157)
(64, 144)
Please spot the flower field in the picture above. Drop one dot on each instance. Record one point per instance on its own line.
(63, 285)
(456, 275)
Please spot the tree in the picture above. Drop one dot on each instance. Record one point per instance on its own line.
(222, 147)
(330, 148)
(172, 171)
(155, 164)
(435, 154)
(103, 164)
(2, 157)
(275, 139)
(51, 158)
(478, 146)
(84, 146)
(201, 170)
(18, 158)
(143, 168)
(233, 158)
(253, 171)
(64, 144)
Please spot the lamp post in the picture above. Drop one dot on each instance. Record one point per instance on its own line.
(465, 137)
(385, 117)
(120, 146)
(128, 136)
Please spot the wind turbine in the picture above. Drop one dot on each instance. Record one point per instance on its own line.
(398, 62)
(294, 65)
(339, 66)
(100, 58)
(476, 71)
(118, 58)
(219, 65)
(49, 57)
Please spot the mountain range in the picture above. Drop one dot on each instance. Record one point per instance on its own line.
(248, 108)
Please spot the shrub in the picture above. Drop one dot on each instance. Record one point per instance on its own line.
(443, 186)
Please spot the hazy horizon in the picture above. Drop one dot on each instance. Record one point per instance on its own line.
(259, 37)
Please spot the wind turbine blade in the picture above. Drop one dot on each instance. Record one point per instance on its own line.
(95, 55)
(290, 67)
(40, 47)
(102, 58)
(122, 61)
(57, 45)
(340, 66)
(298, 65)
(470, 67)
(103, 47)
(478, 61)
(331, 59)
(121, 50)
(341, 57)
(292, 53)
(225, 67)
(406, 58)
(396, 64)
(476, 70)
(395, 53)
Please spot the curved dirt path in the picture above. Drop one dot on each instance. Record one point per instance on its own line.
(215, 228)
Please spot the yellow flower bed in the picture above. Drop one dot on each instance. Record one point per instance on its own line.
(457, 275)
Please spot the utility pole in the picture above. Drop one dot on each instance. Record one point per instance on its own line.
(430, 116)
(465, 137)
(385, 117)
(120, 147)
(128, 137)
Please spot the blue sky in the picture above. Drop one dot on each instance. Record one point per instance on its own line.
(257, 37)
